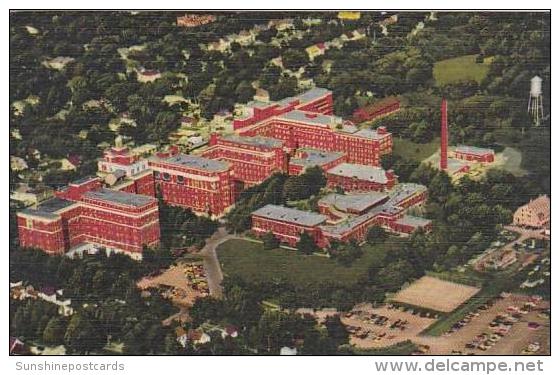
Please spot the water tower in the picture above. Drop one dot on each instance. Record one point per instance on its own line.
(535, 106)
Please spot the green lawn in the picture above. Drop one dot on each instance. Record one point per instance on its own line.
(513, 161)
(251, 262)
(461, 68)
(414, 151)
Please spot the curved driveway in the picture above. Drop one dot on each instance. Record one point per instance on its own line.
(211, 263)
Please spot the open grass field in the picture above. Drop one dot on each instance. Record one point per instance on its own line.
(415, 151)
(251, 262)
(510, 160)
(463, 68)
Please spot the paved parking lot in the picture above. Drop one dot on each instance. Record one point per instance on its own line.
(517, 339)
(382, 335)
(366, 334)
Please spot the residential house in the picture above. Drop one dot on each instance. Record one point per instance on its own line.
(188, 121)
(144, 150)
(147, 75)
(285, 350)
(230, 331)
(58, 63)
(198, 336)
(281, 24)
(316, 50)
(348, 15)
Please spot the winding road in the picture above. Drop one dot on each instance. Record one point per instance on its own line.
(211, 262)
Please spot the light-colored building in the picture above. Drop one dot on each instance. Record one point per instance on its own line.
(221, 45)
(349, 15)
(535, 214)
(28, 196)
(58, 63)
(67, 165)
(316, 50)
(147, 75)
(262, 95)
(17, 164)
(281, 24)
(285, 350)
(143, 150)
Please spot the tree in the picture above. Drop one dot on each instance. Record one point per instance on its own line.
(376, 235)
(395, 274)
(295, 188)
(82, 335)
(54, 331)
(305, 185)
(118, 94)
(171, 346)
(440, 187)
(206, 309)
(419, 132)
(453, 256)
(133, 340)
(270, 75)
(181, 227)
(286, 86)
(268, 192)
(274, 330)
(423, 174)
(205, 98)
(270, 241)
(243, 304)
(244, 92)
(306, 244)
(336, 331)
(345, 252)
(314, 179)
(293, 59)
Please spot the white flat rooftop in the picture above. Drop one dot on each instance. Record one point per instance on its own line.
(361, 172)
(474, 150)
(290, 215)
(357, 202)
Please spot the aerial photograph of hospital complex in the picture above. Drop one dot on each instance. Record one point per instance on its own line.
(279, 183)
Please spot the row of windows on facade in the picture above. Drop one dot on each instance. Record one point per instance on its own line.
(288, 229)
(182, 180)
(242, 155)
(312, 135)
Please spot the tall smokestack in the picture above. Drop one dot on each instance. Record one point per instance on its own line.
(443, 157)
